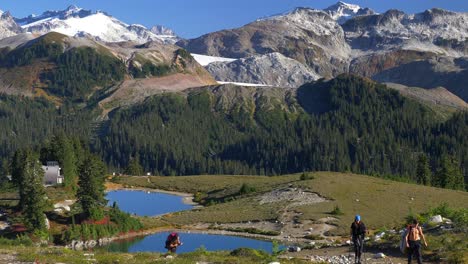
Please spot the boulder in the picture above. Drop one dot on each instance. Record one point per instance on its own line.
(47, 223)
(379, 236)
(294, 249)
(436, 219)
(77, 245)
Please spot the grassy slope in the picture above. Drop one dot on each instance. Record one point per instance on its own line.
(381, 202)
(60, 255)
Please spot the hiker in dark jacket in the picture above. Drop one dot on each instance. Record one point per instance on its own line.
(172, 242)
(358, 231)
(413, 241)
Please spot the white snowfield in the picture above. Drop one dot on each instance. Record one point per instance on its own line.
(246, 84)
(97, 24)
(204, 60)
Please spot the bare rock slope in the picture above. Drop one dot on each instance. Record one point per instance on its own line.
(272, 69)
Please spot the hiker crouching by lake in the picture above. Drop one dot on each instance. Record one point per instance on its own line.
(172, 242)
(413, 241)
(358, 231)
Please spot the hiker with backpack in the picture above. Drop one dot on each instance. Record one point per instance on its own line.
(358, 231)
(172, 242)
(413, 237)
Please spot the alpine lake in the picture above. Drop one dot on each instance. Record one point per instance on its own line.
(146, 203)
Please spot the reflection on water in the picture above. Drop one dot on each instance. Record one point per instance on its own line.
(123, 245)
(192, 241)
(146, 203)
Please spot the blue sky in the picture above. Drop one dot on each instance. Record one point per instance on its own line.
(192, 18)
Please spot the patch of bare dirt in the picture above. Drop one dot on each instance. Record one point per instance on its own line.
(437, 96)
(344, 255)
(136, 90)
(295, 196)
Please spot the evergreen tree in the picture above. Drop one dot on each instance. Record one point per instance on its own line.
(449, 174)
(134, 168)
(4, 172)
(17, 174)
(91, 186)
(32, 192)
(423, 172)
(65, 155)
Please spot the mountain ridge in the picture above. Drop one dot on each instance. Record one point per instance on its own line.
(75, 21)
(370, 44)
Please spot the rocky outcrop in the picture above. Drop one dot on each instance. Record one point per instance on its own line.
(372, 64)
(89, 244)
(272, 69)
(8, 26)
(448, 72)
(434, 30)
(307, 35)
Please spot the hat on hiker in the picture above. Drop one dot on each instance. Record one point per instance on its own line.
(357, 218)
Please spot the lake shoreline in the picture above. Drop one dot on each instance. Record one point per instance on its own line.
(187, 198)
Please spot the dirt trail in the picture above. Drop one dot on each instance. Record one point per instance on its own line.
(344, 255)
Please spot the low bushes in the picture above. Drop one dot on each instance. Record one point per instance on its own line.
(120, 222)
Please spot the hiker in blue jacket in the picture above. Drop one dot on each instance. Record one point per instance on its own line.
(358, 231)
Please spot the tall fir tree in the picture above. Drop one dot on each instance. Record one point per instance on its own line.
(423, 171)
(17, 174)
(449, 174)
(134, 167)
(32, 192)
(65, 154)
(91, 186)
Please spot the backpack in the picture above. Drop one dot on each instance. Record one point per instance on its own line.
(170, 238)
(403, 247)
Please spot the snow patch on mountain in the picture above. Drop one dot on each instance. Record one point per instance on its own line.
(246, 84)
(75, 21)
(204, 60)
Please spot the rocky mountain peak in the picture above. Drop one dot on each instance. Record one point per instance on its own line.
(8, 26)
(73, 8)
(162, 30)
(342, 11)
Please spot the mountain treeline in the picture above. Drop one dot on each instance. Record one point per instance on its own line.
(346, 124)
(28, 123)
(350, 125)
(74, 73)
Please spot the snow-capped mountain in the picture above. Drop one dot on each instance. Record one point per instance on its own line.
(75, 21)
(8, 26)
(342, 11)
